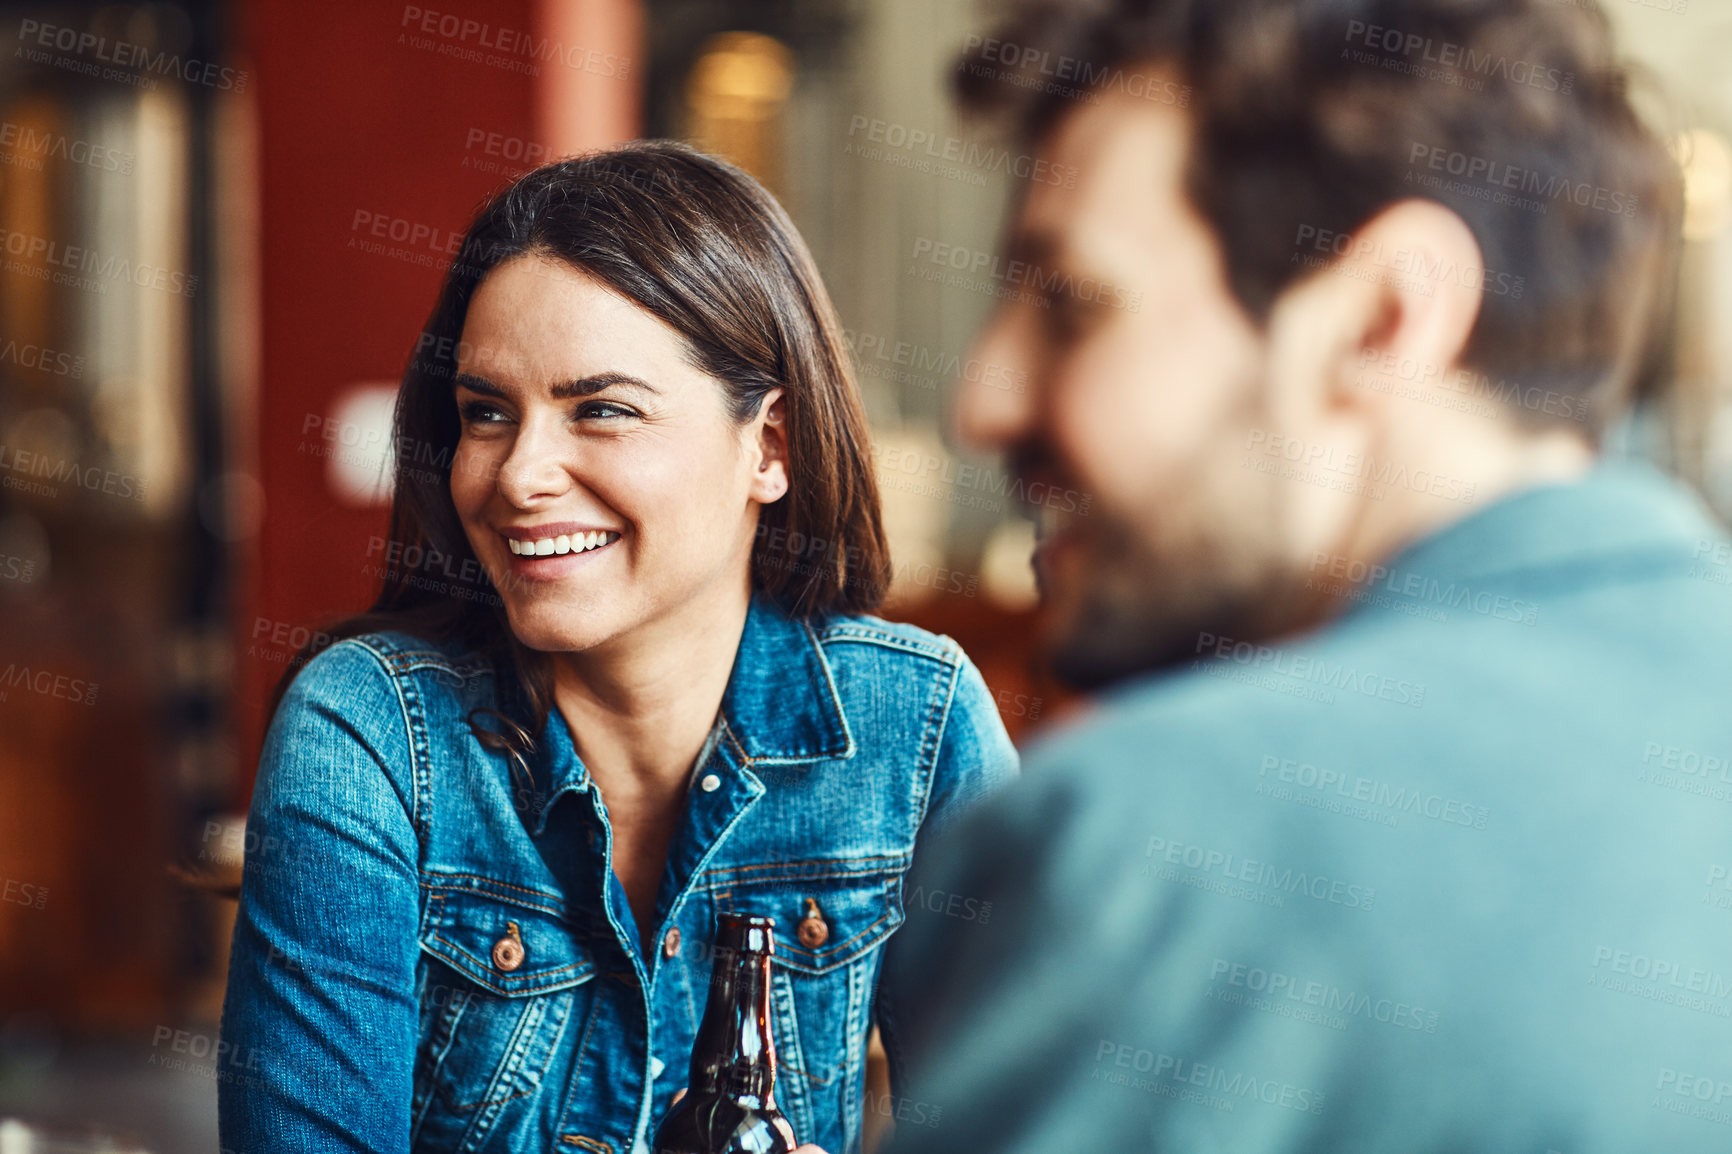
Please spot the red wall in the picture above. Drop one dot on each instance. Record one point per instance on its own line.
(355, 117)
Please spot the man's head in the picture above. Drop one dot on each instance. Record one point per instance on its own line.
(1330, 276)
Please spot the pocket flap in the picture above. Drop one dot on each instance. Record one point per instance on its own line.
(855, 910)
(465, 929)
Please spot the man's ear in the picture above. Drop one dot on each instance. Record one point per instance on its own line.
(1394, 310)
(769, 435)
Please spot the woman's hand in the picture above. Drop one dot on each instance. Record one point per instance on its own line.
(808, 1148)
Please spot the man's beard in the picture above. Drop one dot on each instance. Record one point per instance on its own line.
(1151, 597)
(1206, 556)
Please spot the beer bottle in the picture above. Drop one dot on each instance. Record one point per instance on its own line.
(730, 1101)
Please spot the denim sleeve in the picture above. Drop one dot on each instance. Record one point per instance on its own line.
(975, 759)
(320, 1018)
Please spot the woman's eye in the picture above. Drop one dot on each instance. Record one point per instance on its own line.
(479, 412)
(605, 410)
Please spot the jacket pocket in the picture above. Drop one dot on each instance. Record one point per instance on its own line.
(831, 920)
(500, 987)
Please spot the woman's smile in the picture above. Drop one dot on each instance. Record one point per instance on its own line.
(544, 552)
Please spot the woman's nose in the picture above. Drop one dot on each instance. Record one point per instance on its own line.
(533, 468)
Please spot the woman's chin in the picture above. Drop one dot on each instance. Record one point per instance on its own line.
(554, 630)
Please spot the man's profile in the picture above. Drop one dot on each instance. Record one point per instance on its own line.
(1396, 828)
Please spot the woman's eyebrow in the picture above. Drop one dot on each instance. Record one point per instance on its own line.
(564, 390)
(585, 386)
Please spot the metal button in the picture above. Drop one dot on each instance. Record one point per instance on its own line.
(671, 942)
(508, 950)
(711, 783)
(813, 930)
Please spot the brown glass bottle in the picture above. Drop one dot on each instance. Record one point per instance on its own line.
(730, 1101)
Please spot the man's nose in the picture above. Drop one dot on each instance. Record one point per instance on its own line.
(995, 401)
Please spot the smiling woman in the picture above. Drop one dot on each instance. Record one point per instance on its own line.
(495, 824)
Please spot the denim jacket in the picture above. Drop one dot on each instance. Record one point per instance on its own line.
(433, 952)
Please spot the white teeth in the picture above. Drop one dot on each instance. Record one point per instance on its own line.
(564, 543)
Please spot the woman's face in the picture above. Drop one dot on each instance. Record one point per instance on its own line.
(599, 477)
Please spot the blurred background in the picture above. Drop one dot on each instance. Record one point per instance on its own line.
(222, 226)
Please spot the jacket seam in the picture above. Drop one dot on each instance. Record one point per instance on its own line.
(895, 861)
(430, 885)
(866, 635)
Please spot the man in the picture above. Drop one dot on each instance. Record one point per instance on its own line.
(1401, 821)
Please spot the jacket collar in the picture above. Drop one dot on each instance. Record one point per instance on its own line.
(780, 707)
(1619, 514)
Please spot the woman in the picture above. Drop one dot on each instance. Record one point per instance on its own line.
(622, 683)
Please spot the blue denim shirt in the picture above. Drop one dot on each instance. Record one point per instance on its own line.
(433, 952)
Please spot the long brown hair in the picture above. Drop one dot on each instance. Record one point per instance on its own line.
(706, 249)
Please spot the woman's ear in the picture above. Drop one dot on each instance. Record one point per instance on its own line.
(770, 440)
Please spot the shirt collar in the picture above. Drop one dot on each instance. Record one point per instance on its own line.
(1620, 512)
(780, 707)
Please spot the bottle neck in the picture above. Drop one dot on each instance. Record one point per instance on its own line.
(735, 1055)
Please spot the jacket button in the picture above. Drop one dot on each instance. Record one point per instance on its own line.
(813, 930)
(711, 783)
(671, 942)
(508, 950)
